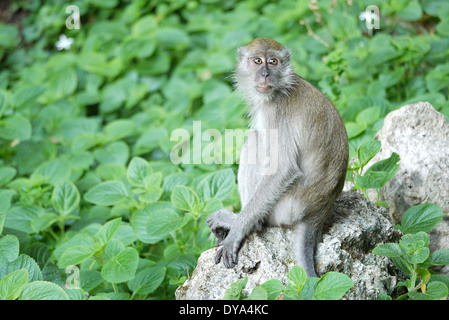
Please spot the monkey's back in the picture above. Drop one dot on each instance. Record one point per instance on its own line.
(322, 144)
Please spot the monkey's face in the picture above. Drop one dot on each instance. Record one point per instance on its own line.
(265, 69)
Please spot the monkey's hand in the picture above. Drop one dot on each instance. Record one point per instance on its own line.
(220, 222)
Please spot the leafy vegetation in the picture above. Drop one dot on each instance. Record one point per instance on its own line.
(331, 286)
(412, 254)
(377, 175)
(85, 173)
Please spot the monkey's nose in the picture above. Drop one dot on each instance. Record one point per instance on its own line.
(265, 72)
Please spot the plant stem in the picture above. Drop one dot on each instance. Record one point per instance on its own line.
(62, 227)
(53, 234)
(195, 232)
(412, 278)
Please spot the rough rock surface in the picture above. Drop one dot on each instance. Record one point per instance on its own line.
(356, 227)
(420, 135)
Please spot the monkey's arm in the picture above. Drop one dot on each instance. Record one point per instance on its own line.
(267, 193)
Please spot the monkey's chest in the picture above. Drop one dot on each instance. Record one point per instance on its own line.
(260, 156)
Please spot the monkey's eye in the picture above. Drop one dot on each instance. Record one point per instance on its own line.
(257, 61)
(273, 61)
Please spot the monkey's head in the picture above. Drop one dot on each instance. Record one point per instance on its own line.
(264, 70)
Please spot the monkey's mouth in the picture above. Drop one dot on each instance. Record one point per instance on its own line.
(263, 88)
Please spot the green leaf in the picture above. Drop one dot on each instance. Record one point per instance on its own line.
(184, 198)
(122, 267)
(149, 140)
(423, 217)
(15, 127)
(65, 198)
(435, 291)
(76, 294)
(90, 279)
(147, 281)
(367, 151)
(107, 231)
(114, 152)
(113, 248)
(61, 84)
(21, 218)
(353, 129)
(441, 278)
(26, 96)
(438, 257)
(332, 286)
(151, 195)
(385, 297)
(119, 129)
(418, 255)
(140, 218)
(138, 170)
(52, 172)
(153, 180)
(163, 222)
(175, 179)
(43, 221)
(387, 165)
(424, 274)
(43, 290)
(75, 255)
(411, 12)
(413, 241)
(80, 239)
(379, 173)
(6, 175)
(9, 248)
(389, 250)
(308, 291)
(234, 292)
(297, 277)
(372, 179)
(12, 285)
(22, 262)
(107, 193)
(172, 37)
(217, 185)
(258, 293)
(368, 116)
(273, 288)
(2, 221)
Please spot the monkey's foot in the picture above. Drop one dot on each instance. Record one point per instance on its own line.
(229, 252)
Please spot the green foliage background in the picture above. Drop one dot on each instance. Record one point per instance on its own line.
(85, 173)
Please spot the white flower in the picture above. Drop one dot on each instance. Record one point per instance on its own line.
(368, 16)
(64, 42)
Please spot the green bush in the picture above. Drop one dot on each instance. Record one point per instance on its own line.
(85, 172)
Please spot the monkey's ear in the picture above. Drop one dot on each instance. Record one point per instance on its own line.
(285, 54)
(242, 53)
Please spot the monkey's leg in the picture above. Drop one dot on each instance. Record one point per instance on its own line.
(220, 222)
(305, 237)
(254, 213)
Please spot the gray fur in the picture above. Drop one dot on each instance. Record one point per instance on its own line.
(311, 158)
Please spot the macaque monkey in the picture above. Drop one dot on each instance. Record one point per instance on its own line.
(307, 143)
